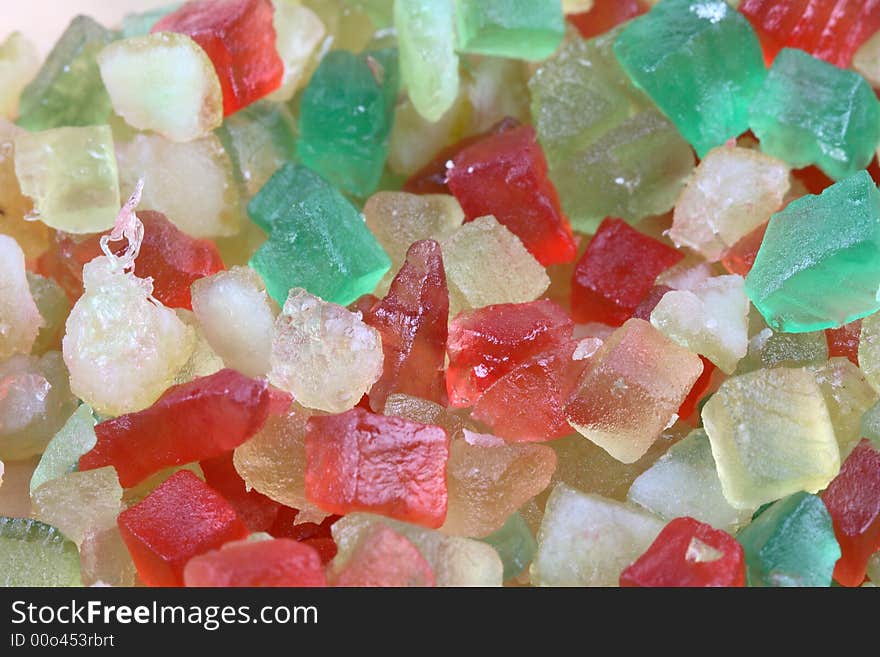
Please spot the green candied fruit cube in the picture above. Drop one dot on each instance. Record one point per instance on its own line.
(68, 90)
(141, 23)
(811, 112)
(35, 554)
(346, 114)
(61, 456)
(610, 152)
(819, 264)
(519, 29)
(71, 176)
(700, 61)
(317, 239)
(791, 543)
(515, 544)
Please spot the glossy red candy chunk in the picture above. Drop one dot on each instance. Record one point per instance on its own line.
(256, 510)
(605, 15)
(173, 259)
(616, 272)
(273, 562)
(853, 500)
(182, 518)
(844, 341)
(487, 343)
(698, 391)
(412, 320)
(528, 403)
(358, 461)
(385, 558)
(829, 29)
(431, 178)
(199, 420)
(688, 553)
(239, 38)
(505, 175)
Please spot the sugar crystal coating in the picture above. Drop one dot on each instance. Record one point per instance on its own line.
(273, 562)
(847, 396)
(33, 553)
(869, 350)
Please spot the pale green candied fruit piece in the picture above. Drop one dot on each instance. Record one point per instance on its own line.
(587, 540)
(20, 320)
(428, 62)
(874, 568)
(866, 61)
(770, 349)
(869, 350)
(237, 317)
(62, 454)
(207, 205)
(684, 482)
(163, 82)
(456, 561)
(299, 34)
(710, 319)
(79, 502)
(105, 559)
(870, 425)
(519, 29)
(35, 554)
(732, 192)
(72, 177)
(53, 305)
(771, 436)
(515, 544)
(848, 397)
(35, 402)
(19, 62)
(273, 462)
(487, 264)
(323, 354)
(122, 348)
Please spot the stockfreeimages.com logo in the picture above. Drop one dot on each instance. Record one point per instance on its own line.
(210, 617)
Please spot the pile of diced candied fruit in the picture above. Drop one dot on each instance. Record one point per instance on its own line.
(443, 293)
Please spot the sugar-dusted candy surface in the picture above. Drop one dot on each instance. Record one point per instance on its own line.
(33, 553)
(529, 30)
(771, 436)
(323, 354)
(273, 562)
(791, 544)
(61, 455)
(384, 557)
(869, 350)
(847, 396)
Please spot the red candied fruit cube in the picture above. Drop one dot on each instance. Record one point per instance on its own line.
(385, 558)
(688, 553)
(413, 322)
(739, 258)
(182, 518)
(844, 341)
(617, 272)
(487, 343)
(431, 178)
(528, 403)
(193, 421)
(505, 175)
(273, 562)
(256, 510)
(853, 500)
(829, 29)
(359, 461)
(239, 39)
(605, 15)
(698, 391)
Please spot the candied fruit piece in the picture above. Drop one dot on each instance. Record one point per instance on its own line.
(36, 554)
(62, 454)
(529, 30)
(869, 350)
(515, 544)
(105, 560)
(179, 520)
(602, 15)
(688, 553)
(256, 510)
(847, 396)
(239, 38)
(54, 307)
(19, 62)
(299, 34)
(78, 503)
(616, 272)
(631, 390)
(189, 422)
(383, 557)
(273, 562)
(853, 500)
(844, 341)
(357, 461)
(21, 320)
(32, 236)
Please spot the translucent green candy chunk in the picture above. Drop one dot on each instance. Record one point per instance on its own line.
(428, 63)
(68, 90)
(611, 153)
(72, 177)
(317, 239)
(519, 29)
(791, 544)
(819, 264)
(36, 554)
(811, 112)
(345, 118)
(700, 61)
(771, 436)
(515, 544)
(140, 24)
(61, 457)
